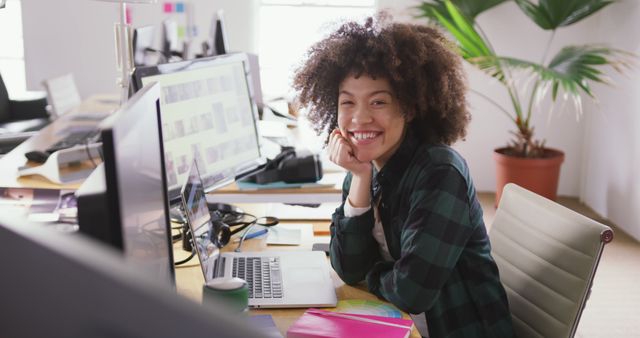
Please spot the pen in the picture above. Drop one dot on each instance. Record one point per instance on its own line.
(253, 234)
(256, 233)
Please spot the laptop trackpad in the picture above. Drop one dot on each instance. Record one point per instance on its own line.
(305, 276)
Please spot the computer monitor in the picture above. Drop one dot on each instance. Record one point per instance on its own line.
(124, 201)
(207, 114)
(218, 34)
(143, 38)
(170, 44)
(62, 285)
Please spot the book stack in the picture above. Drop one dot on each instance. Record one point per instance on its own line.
(320, 323)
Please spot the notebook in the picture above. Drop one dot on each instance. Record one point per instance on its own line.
(320, 324)
(276, 279)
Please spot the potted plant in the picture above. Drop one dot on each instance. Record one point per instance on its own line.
(526, 160)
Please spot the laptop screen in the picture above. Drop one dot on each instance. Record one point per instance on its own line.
(197, 212)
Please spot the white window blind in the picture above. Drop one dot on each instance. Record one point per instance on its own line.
(12, 47)
(287, 28)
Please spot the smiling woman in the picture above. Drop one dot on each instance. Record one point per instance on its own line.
(369, 116)
(392, 96)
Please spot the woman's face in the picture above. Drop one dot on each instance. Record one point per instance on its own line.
(369, 117)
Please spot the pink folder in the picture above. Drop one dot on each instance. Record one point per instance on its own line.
(321, 323)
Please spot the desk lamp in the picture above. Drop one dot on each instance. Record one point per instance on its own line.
(124, 53)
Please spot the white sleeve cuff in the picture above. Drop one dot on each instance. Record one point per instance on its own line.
(351, 211)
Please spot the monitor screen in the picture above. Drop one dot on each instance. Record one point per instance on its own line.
(143, 38)
(199, 220)
(124, 203)
(169, 37)
(207, 115)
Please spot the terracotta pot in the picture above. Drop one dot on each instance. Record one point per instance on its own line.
(539, 175)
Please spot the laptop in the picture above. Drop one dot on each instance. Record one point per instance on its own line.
(288, 279)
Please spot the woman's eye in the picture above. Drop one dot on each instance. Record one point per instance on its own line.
(378, 102)
(344, 103)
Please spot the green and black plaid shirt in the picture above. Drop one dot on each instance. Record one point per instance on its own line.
(433, 226)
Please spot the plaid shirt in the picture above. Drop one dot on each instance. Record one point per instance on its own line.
(436, 235)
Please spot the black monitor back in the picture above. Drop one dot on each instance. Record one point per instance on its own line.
(218, 34)
(61, 285)
(124, 202)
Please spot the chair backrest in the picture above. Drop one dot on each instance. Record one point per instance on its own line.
(62, 94)
(547, 256)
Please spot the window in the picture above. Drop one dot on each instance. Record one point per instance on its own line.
(287, 28)
(12, 48)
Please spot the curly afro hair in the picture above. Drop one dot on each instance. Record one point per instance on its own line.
(420, 64)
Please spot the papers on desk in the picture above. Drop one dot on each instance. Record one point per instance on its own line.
(290, 234)
(299, 212)
(40, 205)
(283, 236)
(53, 168)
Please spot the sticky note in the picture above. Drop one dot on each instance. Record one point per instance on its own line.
(128, 15)
(181, 32)
(179, 7)
(168, 7)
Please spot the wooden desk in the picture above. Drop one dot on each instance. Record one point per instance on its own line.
(231, 194)
(189, 281)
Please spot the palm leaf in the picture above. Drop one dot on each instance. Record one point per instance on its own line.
(551, 14)
(470, 8)
(462, 28)
(572, 69)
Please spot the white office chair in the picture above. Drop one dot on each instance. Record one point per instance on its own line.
(62, 94)
(547, 256)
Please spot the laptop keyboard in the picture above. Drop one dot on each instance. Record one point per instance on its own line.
(74, 139)
(262, 275)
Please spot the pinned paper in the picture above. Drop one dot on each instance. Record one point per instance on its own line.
(168, 7)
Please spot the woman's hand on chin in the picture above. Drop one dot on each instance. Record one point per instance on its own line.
(343, 153)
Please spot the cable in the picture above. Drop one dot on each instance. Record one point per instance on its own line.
(268, 221)
(86, 148)
(193, 253)
(244, 235)
(186, 239)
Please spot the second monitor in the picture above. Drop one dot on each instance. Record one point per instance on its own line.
(207, 114)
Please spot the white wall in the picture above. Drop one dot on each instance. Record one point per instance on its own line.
(77, 36)
(612, 140)
(513, 34)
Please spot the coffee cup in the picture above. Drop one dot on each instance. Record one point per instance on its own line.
(233, 293)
